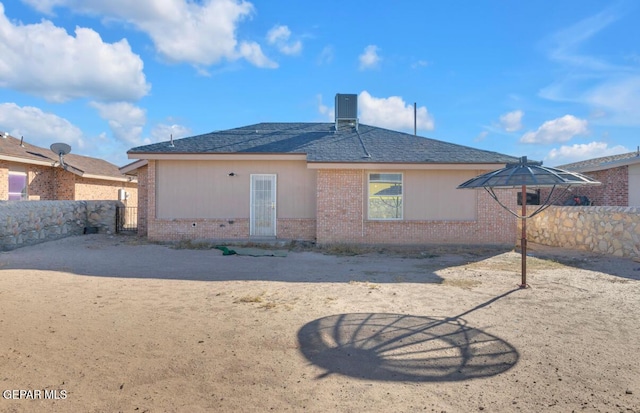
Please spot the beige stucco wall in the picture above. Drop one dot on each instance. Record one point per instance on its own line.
(432, 195)
(634, 185)
(203, 189)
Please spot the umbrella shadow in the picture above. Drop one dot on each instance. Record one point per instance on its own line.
(399, 347)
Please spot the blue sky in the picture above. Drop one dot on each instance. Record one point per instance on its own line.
(558, 81)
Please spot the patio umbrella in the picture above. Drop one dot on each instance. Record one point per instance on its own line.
(520, 175)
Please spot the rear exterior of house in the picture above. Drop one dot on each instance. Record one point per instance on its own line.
(31, 173)
(294, 201)
(323, 182)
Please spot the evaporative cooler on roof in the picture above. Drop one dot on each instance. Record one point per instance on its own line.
(346, 110)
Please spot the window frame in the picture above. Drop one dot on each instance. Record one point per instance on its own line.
(369, 196)
(24, 194)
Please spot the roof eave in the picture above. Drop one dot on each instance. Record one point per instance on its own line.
(26, 160)
(608, 165)
(403, 165)
(217, 156)
(132, 168)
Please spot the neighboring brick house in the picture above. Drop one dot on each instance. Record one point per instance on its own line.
(619, 175)
(28, 172)
(339, 182)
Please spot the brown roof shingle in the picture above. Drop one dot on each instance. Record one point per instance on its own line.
(81, 165)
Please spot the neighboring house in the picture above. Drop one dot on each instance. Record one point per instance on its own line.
(28, 172)
(339, 182)
(619, 175)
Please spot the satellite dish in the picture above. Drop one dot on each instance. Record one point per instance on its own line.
(60, 148)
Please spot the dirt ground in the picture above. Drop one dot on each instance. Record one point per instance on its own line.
(101, 323)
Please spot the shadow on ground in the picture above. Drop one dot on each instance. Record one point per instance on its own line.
(125, 257)
(397, 347)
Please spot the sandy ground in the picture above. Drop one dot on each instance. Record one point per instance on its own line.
(106, 324)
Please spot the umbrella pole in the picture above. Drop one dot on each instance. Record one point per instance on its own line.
(523, 240)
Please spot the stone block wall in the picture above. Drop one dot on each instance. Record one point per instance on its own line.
(25, 223)
(601, 229)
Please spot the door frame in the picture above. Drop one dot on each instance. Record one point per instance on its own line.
(274, 197)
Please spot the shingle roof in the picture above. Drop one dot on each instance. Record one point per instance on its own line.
(600, 163)
(321, 143)
(83, 165)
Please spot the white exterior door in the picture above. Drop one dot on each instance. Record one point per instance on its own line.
(263, 205)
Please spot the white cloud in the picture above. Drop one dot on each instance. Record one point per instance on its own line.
(44, 60)
(392, 113)
(512, 121)
(419, 64)
(580, 152)
(600, 84)
(162, 132)
(279, 36)
(481, 136)
(39, 128)
(126, 121)
(325, 110)
(326, 55)
(369, 59)
(253, 53)
(196, 32)
(557, 130)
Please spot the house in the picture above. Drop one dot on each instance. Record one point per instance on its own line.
(29, 172)
(341, 182)
(620, 177)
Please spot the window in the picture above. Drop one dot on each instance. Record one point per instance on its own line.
(17, 186)
(385, 196)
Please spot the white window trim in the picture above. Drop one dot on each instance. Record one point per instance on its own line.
(369, 195)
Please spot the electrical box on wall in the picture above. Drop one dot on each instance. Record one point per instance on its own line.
(122, 195)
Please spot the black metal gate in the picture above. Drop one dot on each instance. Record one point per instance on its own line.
(126, 219)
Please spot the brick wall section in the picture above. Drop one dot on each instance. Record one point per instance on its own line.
(154, 231)
(4, 181)
(296, 229)
(48, 183)
(64, 185)
(42, 183)
(204, 229)
(99, 189)
(340, 206)
(614, 190)
(143, 196)
(341, 217)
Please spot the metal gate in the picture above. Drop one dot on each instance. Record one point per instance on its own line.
(126, 219)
